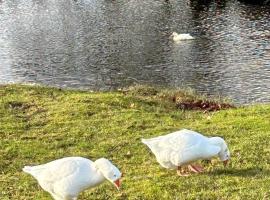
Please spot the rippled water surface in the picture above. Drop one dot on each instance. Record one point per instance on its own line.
(106, 44)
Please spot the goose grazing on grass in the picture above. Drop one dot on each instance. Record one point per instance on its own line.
(178, 37)
(65, 178)
(182, 148)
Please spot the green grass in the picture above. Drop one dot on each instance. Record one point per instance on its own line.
(39, 124)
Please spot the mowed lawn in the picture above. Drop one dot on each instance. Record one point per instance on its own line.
(39, 124)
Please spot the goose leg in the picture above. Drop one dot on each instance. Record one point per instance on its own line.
(181, 171)
(55, 197)
(195, 168)
(71, 198)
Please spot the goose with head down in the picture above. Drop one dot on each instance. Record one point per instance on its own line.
(182, 148)
(65, 178)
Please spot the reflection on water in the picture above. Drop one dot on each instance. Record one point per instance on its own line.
(103, 44)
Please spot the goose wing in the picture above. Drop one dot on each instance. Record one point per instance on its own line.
(50, 174)
(176, 141)
(180, 147)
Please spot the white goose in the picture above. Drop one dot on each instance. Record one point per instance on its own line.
(184, 36)
(65, 178)
(184, 147)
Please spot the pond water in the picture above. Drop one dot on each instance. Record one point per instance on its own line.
(109, 44)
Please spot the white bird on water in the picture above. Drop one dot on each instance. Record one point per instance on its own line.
(65, 178)
(182, 148)
(184, 36)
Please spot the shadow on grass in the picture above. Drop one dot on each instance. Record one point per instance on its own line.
(248, 172)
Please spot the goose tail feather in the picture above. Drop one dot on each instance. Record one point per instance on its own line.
(27, 169)
(33, 170)
(144, 141)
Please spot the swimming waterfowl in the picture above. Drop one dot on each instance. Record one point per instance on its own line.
(65, 178)
(184, 36)
(181, 148)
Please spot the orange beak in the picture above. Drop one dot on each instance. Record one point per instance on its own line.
(117, 183)
(225, 162)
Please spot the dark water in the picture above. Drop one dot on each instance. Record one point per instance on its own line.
(106, 44)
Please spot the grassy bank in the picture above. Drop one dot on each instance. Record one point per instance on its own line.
(40, 124)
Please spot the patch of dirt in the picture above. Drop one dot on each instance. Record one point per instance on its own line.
(18, 105)
(203, 105)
